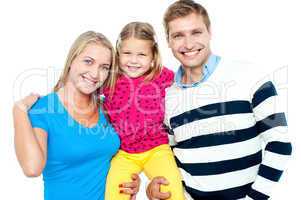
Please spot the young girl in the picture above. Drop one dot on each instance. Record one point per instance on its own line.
(65, 134)
(136, 109)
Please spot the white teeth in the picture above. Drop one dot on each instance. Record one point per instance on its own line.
(89, 81)
(191, 53)
(132, 68)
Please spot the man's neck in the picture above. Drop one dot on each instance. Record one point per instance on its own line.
(194, 74)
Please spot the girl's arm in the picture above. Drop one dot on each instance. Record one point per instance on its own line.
(30, 143)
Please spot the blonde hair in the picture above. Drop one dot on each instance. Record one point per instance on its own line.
(183, 8)
(141, 31)
(89, 37)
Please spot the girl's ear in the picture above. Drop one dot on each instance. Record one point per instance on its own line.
(153, 64)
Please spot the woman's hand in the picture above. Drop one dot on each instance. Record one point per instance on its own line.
(27, 102)
(131, 188)
(30, 143)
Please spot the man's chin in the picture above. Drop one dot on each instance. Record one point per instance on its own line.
(192, 65)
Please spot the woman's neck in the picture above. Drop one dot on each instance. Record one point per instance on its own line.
(74, 98)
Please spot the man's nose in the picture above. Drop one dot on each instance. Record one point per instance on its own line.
(189, 43)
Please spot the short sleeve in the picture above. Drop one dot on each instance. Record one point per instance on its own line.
(38, 115)
(166, 78)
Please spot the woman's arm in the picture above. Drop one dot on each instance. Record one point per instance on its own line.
(30, 143)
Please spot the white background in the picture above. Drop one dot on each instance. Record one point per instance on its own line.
(35, 37)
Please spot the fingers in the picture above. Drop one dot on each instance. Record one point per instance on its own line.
(153, 189)
(34, 94)
(135, 177)
(131, 187)
(27, 102)
(133, 197)
(127, 191)
(161, 195)
(160, 180)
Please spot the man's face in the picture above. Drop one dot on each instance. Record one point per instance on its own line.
(189, 40)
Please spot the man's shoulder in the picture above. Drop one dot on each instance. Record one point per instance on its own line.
(173, 88)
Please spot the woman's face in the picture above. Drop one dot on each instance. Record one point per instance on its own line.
(90, 69)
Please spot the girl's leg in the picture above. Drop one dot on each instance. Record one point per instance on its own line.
(162, 163)
(121, 170)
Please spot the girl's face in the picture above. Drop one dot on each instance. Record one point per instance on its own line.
(90, 69)
(136, 57)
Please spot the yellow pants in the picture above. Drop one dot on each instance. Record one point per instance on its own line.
(158, 161)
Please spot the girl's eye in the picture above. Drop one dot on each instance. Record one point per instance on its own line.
(142, 54)
(126, 52)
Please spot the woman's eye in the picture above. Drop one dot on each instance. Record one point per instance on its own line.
(126, 53)
(88, 61)
(105, 67)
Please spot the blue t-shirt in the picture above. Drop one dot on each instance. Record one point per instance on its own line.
(78, 158)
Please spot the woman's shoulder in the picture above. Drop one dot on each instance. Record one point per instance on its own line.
(44, 102)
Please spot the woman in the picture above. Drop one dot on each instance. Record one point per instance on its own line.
(65, 134)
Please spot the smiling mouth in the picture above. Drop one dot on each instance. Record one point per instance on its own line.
(89, 81)
(191, 54)
(132, 68)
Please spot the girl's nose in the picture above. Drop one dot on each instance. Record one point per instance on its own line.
(133, 59)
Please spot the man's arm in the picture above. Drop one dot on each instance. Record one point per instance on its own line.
(272, 127)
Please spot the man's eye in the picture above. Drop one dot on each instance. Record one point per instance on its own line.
(198, 33)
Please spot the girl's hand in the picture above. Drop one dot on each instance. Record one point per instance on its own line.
(26, 103)
(131, 188)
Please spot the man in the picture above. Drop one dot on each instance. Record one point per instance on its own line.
(219, 117)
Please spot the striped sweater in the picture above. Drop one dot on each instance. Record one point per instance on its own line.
(229, 134)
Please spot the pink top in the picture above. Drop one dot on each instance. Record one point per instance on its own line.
(137, 110)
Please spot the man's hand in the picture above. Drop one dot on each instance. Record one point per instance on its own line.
(153, 189)
(131, 188)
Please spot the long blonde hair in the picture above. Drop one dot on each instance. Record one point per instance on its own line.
(77, 47)
(142, 31)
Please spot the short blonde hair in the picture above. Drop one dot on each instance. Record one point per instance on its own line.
(89, 37)
(142, 31)
(183, 8)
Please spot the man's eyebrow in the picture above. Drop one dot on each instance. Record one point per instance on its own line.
(176, 33)
(197, 29)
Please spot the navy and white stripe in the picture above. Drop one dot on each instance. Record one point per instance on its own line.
(218, 145)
